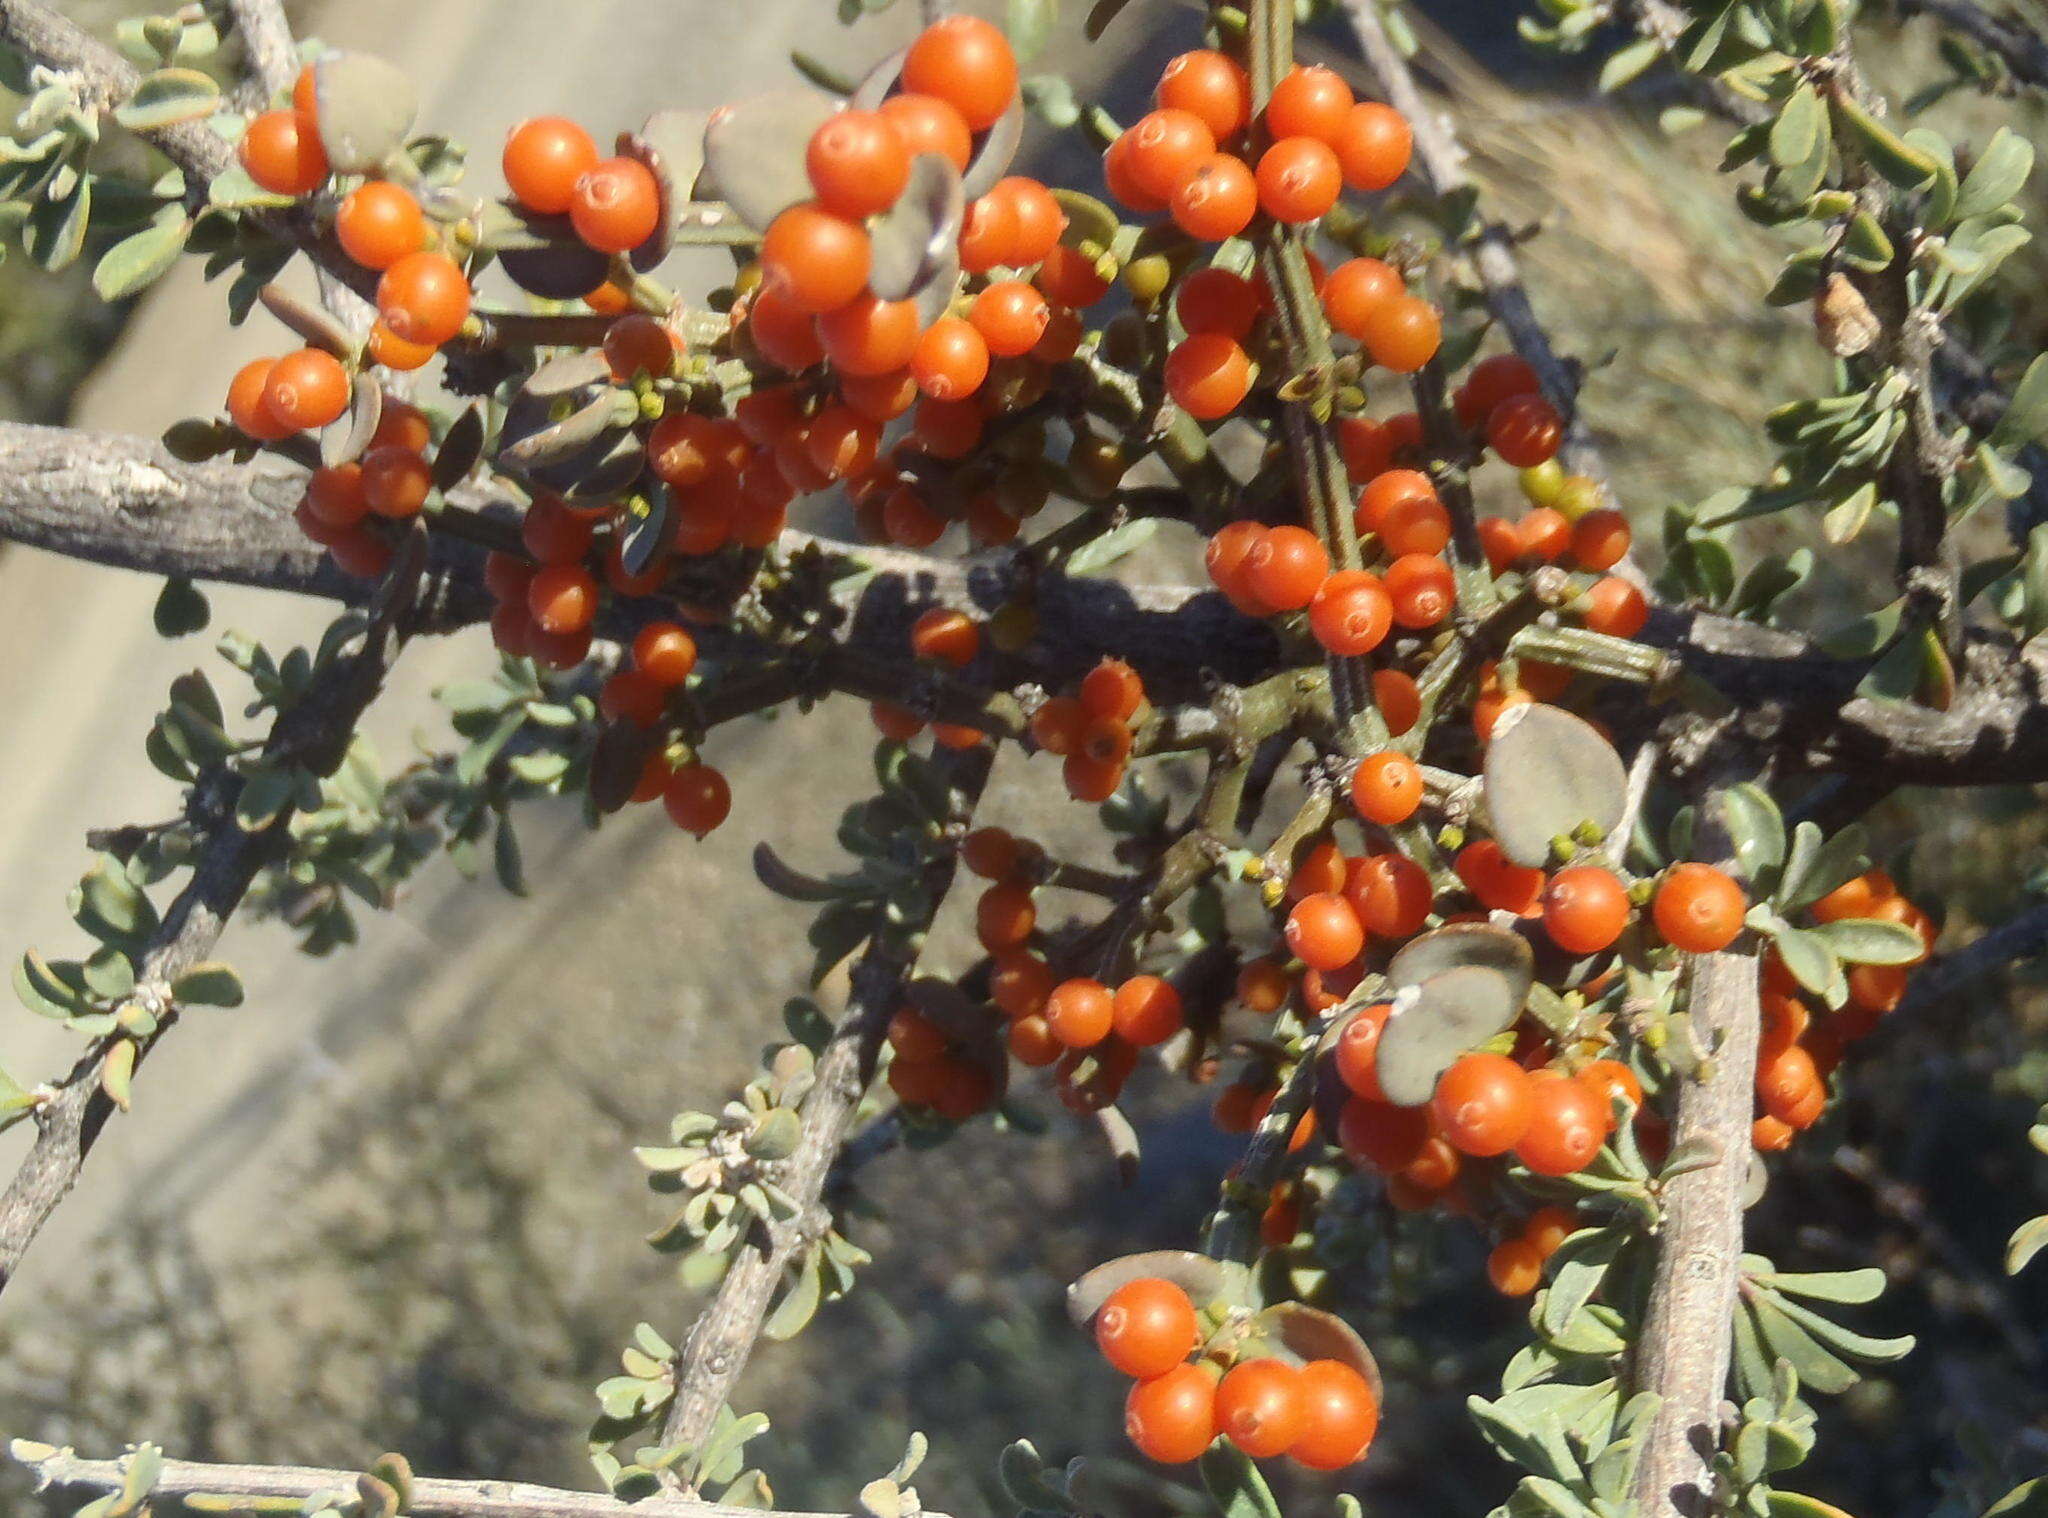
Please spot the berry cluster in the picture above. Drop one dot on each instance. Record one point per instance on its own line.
(1321, 1413)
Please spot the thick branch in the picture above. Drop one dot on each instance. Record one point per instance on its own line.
(1682, 1350)
(711, 1357)
(313, 734)
(431, 1497)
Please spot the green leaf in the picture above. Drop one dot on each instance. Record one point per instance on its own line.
(1851, 1286)
(55, 232)
(1053, 98)
(1864, 243)
(166, 98)
(1842, 1340)
(506, 858)
(1030, 25)
(1799, 127)
(1833, 863)
(117, 1072)
(1101, 553)
(43, 990)
(2026, 1242)
(1577, 1270)
(1627, 62)
(1870, 941)
(1758, 828)
(181, 608)
(1811, 961)
(2026, 417)
(2027, 1500)
(802, 1293)
(1237, 1486)
(821, 73)
(211, 984)
(139, 260)
(264, 795)
(2000, 173)
(1899, 162)
(1787, 1340)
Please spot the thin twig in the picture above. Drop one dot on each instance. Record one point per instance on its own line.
(312, 734)
(431, 1497)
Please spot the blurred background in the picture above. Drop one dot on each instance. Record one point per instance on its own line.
(390, 1204)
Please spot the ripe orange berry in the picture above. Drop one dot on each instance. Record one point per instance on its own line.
(817, 260)
(1208, 374)
(1387, 492)
(948, 429)
(1600, 539)
(1483, 1104)
(1056, 726)
(378, 224)
(1210, 85)
(1351, 613)
(282, 157)
(1011, 317)
(697, 798)
(305, 389)
(1398, 698)
(782, 331)
(334, 496)
(1790, 1087)
(1543, 534)
(1770, 1135)
(1166, 146)
(553, 533)
(1216, 300)
(394, 352)
(563, 598)
(1373, 145)
(1860, 897)
(1615, 607)
(967, 63)
(1122, 180)
(424, 298)
(1390, 893)
(1070, 277)
(1698, 909)
(1376, 1133)
(1262, 985)
(1031, 1042)
(1403, 334)
(1146, 1011)
(544, 157)
(629, 696)
(1415, 527)
(1584, 908)
(1309, 101)
(894, 722)
(665, 653)
(1321, 868)
(1215, 199)
(1172, 1418)
(1492, 381)
(1080, 1013)
(1323, 931)
(1515, 1267)
(246, 406)
(1340, 1415)
(858, 163)
(946, 637)
(1035, 215)
(1298, 181)
(916, 1037)
(1386, 787)
(1497, 882)
(868, 336)
(1358, 1052)
(1357, 290)
(1567, 1125)
(988, 232)
(928, 124)
(1260, 1406)
(1285, 567)
(616, 205)
(359, 552)
(638, 344)
(878, 397)
(1525, 431)
(1146, 1327)
(1422, 589)
(1005, 916)
(1112, 689)
(396, 481)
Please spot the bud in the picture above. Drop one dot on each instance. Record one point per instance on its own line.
(1842, 318)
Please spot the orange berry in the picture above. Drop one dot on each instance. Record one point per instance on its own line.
(1600, 539)
(616, 205)
(1584, 908)
(1210, 85)
(1146, 1010)
(1112, 689)
(928, 124)
(1260, 1406)
(335, 496)
(1548, 1227)
(1146, 1327)
(1005, 916)
(1388, 1138)
(967, 63)
(697, 798)
(1698, 908)
(1615, 607)
(544, 157)
(869, 336)
(1403, 334)
(1011, 317)
(1609, 1078)
(424, 298)
(1215, 199)
(563, 598)
(245, 402)
(1421, 588)
(1309, 101)
(629, 696)
(1340, 1415)
(553, 533)
(1031, 1042)
(1515, 1267)
(858, 163)
(1567, 1125)
(1483, 1104)
(950, 360)
(1497, 882)
(1208, 375)
(1299, 180)
(1398, 698)
(1262, 985)
(1172, 1418)
(665, 653)
(1391, 895)
(281, 156)
(1285, 567)
(1525, 431)
(1373, 145)
(1323, 931)
(394, 352)
(817, 260)
(946, 637)
(638, 344)
(1386, 787)
(1357, 291)
(1070, 277)
(379, 223)
(1351, 613)
(1165, 148)
(1216, 300)
(1080, 1012)
(1036, 216)
(396, 481)
(1358, 1052)
(306, 389)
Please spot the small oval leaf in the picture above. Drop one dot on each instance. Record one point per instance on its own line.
(1465, 943)
(917, 237)
(1547, 774)
(1451, 1014)
(366, 107)
(754, 152)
